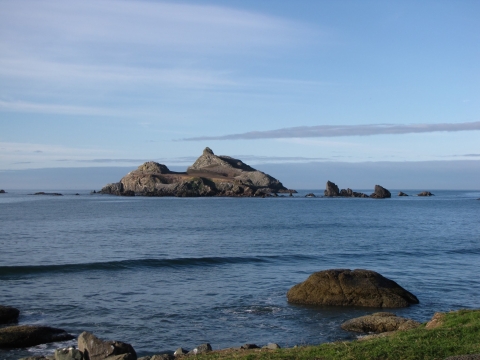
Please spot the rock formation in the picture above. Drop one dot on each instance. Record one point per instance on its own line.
(8, 314)
(26, 336)
(343, 287)
(210, 175)
(331, 190)
(381, 193)
(401, 193)
(425, 193)
(3, 191)
(95, 349)
(379, 323)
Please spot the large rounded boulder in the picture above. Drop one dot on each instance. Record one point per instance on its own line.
(344, 287)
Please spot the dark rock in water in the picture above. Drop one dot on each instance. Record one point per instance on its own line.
(49, 194)
(425, 193)
(8, 314)
(402, 194)
(2, 192)
(210, 175)
(381, 193)
(26, 336)
(379, 322)
(95, 349)
(331, 190)
(343, 287)
(68, 354)
(310, 195)
(201, 349)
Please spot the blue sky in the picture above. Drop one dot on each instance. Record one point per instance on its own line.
(115, 83)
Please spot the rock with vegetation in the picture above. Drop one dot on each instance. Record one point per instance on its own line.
(344, 287)
(210, 175)
(94, 348)
(8, 314)
(425, 193)
(27, 335)
(379, 323)
(380, 193)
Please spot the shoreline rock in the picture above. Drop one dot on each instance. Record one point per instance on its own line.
(344, 287)
(28, 335)
(379, 323)
(209, 175)
(94, 348)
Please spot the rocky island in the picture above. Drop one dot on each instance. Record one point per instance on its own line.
(210, 175)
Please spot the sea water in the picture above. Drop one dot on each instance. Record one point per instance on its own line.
(161, 273)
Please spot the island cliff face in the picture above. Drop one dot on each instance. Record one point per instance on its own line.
(210, 175)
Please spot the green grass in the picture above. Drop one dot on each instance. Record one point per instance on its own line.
(459, 334)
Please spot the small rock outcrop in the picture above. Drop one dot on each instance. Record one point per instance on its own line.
(48, 194)
(271, 346)
(95, 349)
(344, 287)
(401, 193)
(436, 321)
(210, 175)
(425, 193)
(8, 314)
(2, 191)
(379, 323)
(380, 193)
(201, 349)
(310, 195)
(27, 335)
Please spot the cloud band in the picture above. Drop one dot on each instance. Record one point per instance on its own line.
(343, 130)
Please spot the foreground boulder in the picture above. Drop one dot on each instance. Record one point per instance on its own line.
(379, 323)
(210, 175)
(68, 354)
(27, 335)
(8, 314)
(95, 349)
(381, 193)
(343, 287)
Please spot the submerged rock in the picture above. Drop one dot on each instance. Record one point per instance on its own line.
(379, 323)
(27, 335)
(425, 193)
(343, 287)
(95, 349)
(8, 314)
(210, 175)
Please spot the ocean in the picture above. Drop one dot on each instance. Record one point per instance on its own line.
(163, 273)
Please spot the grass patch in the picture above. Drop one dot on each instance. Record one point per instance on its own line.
(458, 334)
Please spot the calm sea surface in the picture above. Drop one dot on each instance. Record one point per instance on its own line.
(161, 273)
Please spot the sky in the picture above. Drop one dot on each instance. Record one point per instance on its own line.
(99, 85)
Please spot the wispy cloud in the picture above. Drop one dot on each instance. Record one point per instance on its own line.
(342, 130)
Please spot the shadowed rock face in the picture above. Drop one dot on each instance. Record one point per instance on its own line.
(210, 175)
(343, 287)
(381, 193)
(8, 314)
